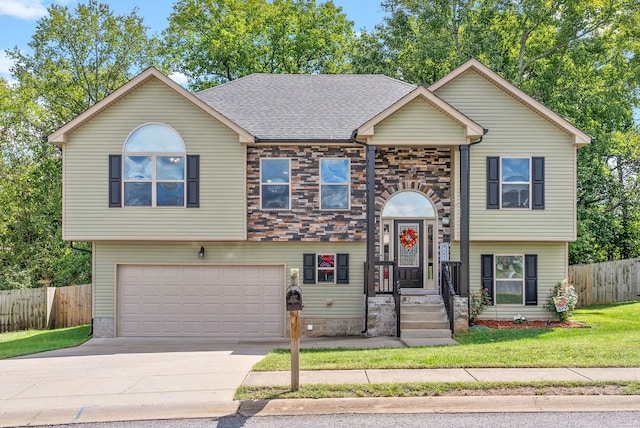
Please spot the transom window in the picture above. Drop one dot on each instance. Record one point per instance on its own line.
(334, 184)
(509, 279)
(408, 204)
(275, 184)
(154, 167)
(516, 182)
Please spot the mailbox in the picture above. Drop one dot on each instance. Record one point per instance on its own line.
(293, 298)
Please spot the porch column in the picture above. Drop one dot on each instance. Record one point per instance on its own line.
(371, 220)
(464, 219)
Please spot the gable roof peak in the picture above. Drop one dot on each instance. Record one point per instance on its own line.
(60, 136)
(578, 137)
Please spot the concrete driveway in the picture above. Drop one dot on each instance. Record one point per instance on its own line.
(127, 379)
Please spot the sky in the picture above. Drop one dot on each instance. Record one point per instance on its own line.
(18, 18)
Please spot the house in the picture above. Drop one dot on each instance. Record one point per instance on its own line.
(202, 207)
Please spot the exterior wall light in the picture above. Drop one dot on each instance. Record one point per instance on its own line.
(445, 221)
(201, 253)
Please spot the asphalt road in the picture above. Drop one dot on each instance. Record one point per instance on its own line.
(453, 420)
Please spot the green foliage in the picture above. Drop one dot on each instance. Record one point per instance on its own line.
(82, 56)
(562, 300)
(478, 301)
(520, 319)
(78, 58)
(214, 41)
(577, 57)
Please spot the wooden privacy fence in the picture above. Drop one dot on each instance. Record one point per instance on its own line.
(47, 307)
(607, 282)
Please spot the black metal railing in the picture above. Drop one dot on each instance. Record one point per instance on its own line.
(389, 283)
(450, 286)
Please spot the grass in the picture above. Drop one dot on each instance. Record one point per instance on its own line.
(612, 341)
(27, 342)
(433, 389)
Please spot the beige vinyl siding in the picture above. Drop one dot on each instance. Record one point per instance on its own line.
(552, 268)
(222, 214)
(515, 131)
(418, 123)
(347, 298)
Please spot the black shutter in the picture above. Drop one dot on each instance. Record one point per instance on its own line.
(486, 274)
(531, 279)
(115, 181)
(537, 182)
(342, 274)
(308, 268)
(193, 181)
(493, 182)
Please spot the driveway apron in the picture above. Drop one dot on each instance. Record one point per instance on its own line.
(127, 379)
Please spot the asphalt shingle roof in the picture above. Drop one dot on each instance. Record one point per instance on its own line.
(304, 107)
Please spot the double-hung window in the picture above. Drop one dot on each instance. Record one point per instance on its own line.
(515, 183)
(510, 279)
(154, 166)
(275, 184)
(326, 268)
(334, 184)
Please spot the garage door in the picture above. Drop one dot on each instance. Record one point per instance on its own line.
(221, 301)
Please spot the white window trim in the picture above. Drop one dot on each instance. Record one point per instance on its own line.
(335, 268)
(529, 183)
(347, 184)
(275, 184)
(154, 180)
(496, 280)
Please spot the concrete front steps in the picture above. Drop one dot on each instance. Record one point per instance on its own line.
(423, 319)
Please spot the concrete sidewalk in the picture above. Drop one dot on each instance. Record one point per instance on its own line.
(443, 375)
(168, 378)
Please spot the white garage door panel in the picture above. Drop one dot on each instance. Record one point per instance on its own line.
(222, 301)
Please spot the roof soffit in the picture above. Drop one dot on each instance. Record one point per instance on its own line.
(473, 130)
(60, 136)
(577, 136)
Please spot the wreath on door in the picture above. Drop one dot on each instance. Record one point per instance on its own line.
(408, 238)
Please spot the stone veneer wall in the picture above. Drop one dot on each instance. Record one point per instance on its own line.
(425, 170)
(460, 314)
(328, 327)
(103, 327)
(305, 221)
(381, 320)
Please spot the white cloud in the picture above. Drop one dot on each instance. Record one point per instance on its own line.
(23, 9)
(5, 64)
(179, 78)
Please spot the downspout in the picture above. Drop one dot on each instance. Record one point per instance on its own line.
(369, 282)
(465, 184)
(79, 249)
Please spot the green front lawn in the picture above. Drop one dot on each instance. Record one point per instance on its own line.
(612, 341)
(28, 342)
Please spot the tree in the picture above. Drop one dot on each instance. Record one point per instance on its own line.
(78, 58)
(578, 57)
(82, 56)
(215, 41)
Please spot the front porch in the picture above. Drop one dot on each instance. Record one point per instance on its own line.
(417, 316)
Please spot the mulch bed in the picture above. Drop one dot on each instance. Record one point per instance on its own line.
(529, 324)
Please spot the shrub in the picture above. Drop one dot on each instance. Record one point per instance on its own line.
(520, 319)
(478, 301)
(562, 300)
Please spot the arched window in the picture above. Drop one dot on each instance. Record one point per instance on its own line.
(154, 167)
(408, 205)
